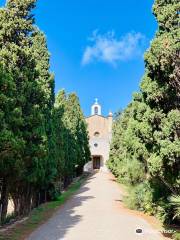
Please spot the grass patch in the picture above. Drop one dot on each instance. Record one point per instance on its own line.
(41, 214)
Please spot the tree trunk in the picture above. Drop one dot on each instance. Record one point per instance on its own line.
(4, 201)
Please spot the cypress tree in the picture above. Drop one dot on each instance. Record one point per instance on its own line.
(161, 93)
(33, 98)
(42, 145)
(61, 143)
(46, 82)
(16, 24)
(149, 133)
(11, 143)
(79, 130)
(72, 135)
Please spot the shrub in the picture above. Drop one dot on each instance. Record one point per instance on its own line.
(164, 211)
(131, 172)
(141, 198)
(175, 202)
(176, 236)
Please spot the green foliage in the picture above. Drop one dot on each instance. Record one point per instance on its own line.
(175, 202)
(16, 23)
(163, 211)
(41, 146)
(73, 150)
(141, 198)
(176, 236)
(146, 136)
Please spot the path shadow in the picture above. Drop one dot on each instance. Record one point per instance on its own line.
(65, 219)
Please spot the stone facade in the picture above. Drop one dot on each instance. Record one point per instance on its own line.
(100, 133)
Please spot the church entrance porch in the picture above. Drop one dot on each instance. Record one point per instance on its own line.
(96, 162)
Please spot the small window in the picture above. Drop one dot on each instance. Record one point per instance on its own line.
(96, 110)
(96, 134)
(96, 145)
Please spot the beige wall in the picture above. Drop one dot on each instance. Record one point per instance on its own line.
(99, 124)
(102, 125)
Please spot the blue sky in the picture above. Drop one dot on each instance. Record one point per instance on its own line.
(97, 47)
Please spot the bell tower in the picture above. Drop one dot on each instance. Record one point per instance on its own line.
(96, 108)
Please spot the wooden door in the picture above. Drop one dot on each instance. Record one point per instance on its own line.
(96, 162)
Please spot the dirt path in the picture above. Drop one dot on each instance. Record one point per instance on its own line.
(92, 214)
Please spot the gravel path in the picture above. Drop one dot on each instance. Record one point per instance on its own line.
(93, 214)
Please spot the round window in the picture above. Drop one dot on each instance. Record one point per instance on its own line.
(96, 134)
(96, 145)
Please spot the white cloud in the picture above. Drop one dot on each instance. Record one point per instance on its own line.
(107, 48)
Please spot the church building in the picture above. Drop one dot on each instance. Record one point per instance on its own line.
(100, 133)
